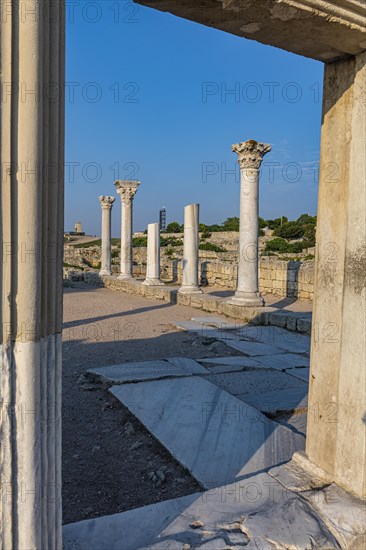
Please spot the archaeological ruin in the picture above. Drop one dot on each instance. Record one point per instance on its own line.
(32, 50)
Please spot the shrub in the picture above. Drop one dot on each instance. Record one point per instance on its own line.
(305, 219)
(174, 227)
(230, 224)
(211, 247)
(170, 241)
(277, 245)
(290, 230)
(310, 235)
(273, 224)
(139, 242)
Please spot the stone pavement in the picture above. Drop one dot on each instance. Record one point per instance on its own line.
(288, 508)
(234, 423)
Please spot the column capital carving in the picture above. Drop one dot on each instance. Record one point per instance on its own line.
(251, 153)
(127, 189)
(106, 201)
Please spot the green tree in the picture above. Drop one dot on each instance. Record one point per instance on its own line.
(273, 224)
(277, 245)
(289, 230)
(231, 224)
(262, 223)
(306, 219)
(174, 227)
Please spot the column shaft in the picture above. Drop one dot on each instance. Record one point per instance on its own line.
(248, 238)
(190, 250)
(126, 241)
(106, 263)
(250, 154)
(32, 55)
(336, 438)
(153, 255)
(126, 190)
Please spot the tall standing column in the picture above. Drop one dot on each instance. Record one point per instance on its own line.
(190, 250)
(106, 204)
(32, 78)
(126, 190)
(250, 154)
(153, 256)
(336, 432)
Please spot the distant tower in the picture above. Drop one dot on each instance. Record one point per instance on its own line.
(162, 219)
(78, 227)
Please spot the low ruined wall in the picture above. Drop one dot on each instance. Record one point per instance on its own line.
(279, 277)
(286, 278)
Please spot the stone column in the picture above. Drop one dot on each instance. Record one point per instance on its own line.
(126, 190)
(250, 155)
(190, 251)
(153, 256)
(32, 78)
(106, 204)
(336, 435)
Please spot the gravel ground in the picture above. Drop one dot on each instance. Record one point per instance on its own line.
(110, 462)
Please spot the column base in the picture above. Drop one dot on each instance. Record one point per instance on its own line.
(124, 277)
(153, 282)
(248, 299)
(190, 290)
(105, 272)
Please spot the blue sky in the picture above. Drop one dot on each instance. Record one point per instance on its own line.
(148, 97)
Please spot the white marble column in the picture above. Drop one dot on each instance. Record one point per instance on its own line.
(250, 154)
(153, 256)
(32, 77)
(106, 204)
(126, 190)
(190, 250)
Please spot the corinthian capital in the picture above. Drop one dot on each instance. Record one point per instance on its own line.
(251, 153)
(106, 202)
(127, 189)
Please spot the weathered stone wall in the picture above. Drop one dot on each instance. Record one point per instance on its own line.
(279, 277)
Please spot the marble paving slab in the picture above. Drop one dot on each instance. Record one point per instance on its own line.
(255, 382)
(217, 437)
(218, 322)
(284, 339)
(146, 370)
(256, 514)
(296, 422)
(187, 365)
(301, 373)
(287, 400)
(230, 360)
(283, 361)
(253, 348)
(193, 326)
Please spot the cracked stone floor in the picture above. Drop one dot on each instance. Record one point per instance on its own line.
(234, 422)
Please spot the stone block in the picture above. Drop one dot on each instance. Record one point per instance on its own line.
(184, 299)
(291, 323)
(212, 433)
(277, 319)
(303, 325)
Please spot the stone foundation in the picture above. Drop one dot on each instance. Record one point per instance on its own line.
(298, 322)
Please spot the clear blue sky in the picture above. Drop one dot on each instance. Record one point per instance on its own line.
(148, 97)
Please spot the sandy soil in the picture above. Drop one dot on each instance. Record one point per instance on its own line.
(110, 462)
